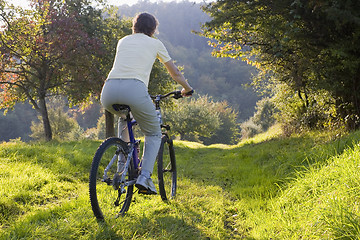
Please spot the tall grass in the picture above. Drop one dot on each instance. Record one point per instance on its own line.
(320, 203)
(268, 187)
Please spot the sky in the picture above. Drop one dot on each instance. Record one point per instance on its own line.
(113, 2)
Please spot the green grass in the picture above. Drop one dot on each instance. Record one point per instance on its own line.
(268, 187)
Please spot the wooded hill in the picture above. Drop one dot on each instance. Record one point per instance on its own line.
(220, 78)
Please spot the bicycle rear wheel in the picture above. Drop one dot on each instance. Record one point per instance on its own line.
(167, 169)
(109, 196)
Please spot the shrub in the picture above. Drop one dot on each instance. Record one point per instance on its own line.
(299, 112)
(249, 129)
(63, 127)
(229, 129)
(91, 133)
(264, 114)
(194, 118)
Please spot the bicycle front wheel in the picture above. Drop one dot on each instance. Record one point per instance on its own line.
(109, 196)
(167, 169)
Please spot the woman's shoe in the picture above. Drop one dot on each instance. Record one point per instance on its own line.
(145, 185)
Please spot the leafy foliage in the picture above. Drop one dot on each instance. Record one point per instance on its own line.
(249, 129)
(310, 46)
(264, 115)
(263, 119)
(222, 79)
(296, 117)
(203, 120)
(193, 118)
(55, 48)
(160, 81)
(228, 132)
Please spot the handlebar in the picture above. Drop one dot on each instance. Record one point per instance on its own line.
(176, 95)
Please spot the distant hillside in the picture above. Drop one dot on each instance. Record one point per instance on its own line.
(223, 79)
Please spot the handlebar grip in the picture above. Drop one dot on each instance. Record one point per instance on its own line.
(190, 93)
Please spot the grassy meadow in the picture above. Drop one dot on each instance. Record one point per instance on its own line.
(268, 187)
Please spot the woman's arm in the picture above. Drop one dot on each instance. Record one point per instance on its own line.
(177, 76)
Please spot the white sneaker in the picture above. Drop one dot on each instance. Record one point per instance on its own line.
(145, 185)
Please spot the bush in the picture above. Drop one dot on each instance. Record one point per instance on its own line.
(249, 129)
(193, 118)
(63, 127)
(263, 119)
(91, 133)
(298, 112)
(264, 114)
(228, 131)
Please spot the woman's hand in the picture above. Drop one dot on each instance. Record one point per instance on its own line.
(187, 92)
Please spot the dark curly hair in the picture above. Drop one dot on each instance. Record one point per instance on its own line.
(144, 23)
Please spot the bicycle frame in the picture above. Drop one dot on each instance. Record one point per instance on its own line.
(133, 153)
(130, 123)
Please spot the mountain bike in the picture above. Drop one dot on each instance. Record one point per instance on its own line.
(116, 166)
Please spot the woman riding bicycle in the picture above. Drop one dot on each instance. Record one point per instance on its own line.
(127, 83)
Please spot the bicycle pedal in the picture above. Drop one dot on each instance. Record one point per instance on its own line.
(116, 181)
(146, 192)
(108, 181)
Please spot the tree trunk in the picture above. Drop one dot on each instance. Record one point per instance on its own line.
(356, 88)
(45, 119)
(182, 135)
(109, 125)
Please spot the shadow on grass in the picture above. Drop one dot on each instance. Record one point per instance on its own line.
(177, 228)
(155, 226)
(106, 231)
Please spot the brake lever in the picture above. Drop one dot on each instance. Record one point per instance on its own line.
(177, 95)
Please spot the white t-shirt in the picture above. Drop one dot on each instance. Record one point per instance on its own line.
(135, 56)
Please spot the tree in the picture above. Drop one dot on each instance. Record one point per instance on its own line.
(309, 45)
(45, 51)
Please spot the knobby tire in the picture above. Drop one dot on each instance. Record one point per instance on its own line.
(102, 195)
(166, 164)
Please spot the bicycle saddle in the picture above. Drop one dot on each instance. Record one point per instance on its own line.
(120, 107)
